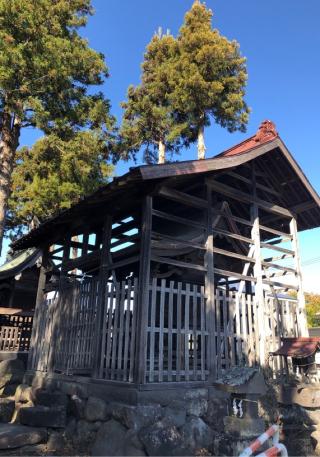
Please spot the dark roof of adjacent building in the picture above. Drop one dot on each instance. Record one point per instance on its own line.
(266, 144)
(20, 262)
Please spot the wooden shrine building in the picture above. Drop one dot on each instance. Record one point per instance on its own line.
(181, 271)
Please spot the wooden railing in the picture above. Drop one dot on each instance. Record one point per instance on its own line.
(15, 330)
(177, 334)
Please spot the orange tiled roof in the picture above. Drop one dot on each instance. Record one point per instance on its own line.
(267, 132)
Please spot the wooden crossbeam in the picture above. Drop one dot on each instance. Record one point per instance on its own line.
(280, 284)
(258, 185)
(234, 218)
(233, 235)
(178, 242)
(234, 275)
(278, 267)
(180, 220)
(233, 255)
(182, 197)
(177, 263)
(247, 198)
(277, 248)
(264, 228)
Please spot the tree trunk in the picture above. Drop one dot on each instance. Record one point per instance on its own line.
(162, 152)
(201, 144)
(10, 133)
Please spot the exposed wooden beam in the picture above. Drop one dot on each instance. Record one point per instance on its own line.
(177, 263)
(178, 219)
(182, 197)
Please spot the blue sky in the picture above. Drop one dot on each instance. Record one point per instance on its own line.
(281, 40)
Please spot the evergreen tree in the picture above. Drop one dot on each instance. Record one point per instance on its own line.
(149, 119)
(211, 77)
(54, 174)
(46, 68)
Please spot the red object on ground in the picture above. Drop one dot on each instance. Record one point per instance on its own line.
(298, 347)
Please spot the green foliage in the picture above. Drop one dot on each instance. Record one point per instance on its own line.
(46, 66)
(54, 174)
(149, 116)
(185, 82)
(313, 309)
(212, 74)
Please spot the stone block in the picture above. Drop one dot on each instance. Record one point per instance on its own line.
(43, 416)
(135, 417)
(176, 414)
(216, 411)
(243, 428)
(110, 440)
(11, 372)
(48, 398)
(77, 407)
(95, 410)
(197, 434)
(7, 407)
(13, 436)
(197, 407)
(161, 439)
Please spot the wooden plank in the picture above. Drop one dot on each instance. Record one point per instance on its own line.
(161, 325)
(218, 333)
(170, 327)
(269, 190)
(264, 228)
(234, 218)
(103, 271)
(247, 198)
(179, 326)
(210, 293)
(202, 329)
(177, 263)
(233, 235)
(278, 267)
(280, 284)
(195, 332)
(144, 278)
(225, 329)
(127, 331)
(112, 294)
(178, 219)
(234, 255)
(120, 337)
(301, 316)
(186, 335)
(182, 197)
(231, 274)
(277, 248)
(133, 329)
(244, 328)
(115, 332)
(176, 241)
(103, 358)
(152, 328)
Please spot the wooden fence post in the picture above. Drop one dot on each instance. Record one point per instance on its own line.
(143, 292)
(103, 272)
(210, 292)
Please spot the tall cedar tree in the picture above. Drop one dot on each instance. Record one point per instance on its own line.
(45, 71)
(54, 174)
(149, 119)
(211, 77)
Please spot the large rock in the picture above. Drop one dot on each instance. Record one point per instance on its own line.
(95, 410)
(243, 428)
(11, 372)
(216, 411)
(6, 409)
(197, 407)
(14, 436)
(110, 440)
(77, 407)
(48, 398)
(164, 439)
(43, 416)
(176, 414)
(135, 417)
(197, 434)
(84, 434)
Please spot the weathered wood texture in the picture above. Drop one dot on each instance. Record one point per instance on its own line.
(15, 331)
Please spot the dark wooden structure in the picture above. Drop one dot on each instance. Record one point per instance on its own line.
(176, 272)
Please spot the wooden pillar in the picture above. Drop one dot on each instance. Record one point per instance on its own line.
(39, 300)
(105, 264)
(143, 292)
(259, 294)
(210, 292)
(301, 312)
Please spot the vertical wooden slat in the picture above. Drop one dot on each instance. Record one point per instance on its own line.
(125, 376)
(218, 333)
(244, 328)
(179, 326)
(195, 331)
(152, 328)
(170, 327)
(252, 358)
(203, 329)
(115, 331)
(186, 335)
(161, 326)
(225, 329)
(120, 338)
(133, 329)
(238, 331)
(112, 294)
(104, 332)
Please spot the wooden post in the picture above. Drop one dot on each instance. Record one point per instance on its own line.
(210, 292)
(105, 260)
(301, 314)
(259, 295)
(39, 300)
(143, 292)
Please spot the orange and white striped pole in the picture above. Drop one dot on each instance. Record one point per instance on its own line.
(274, 451)
(272, 432)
